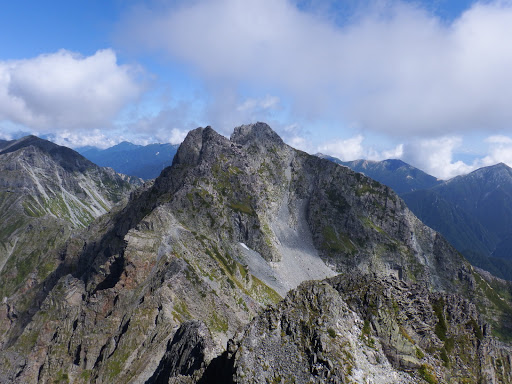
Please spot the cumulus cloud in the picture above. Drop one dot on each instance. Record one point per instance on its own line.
(228, 109)
(396, 69)
(296, 136)
(499, 151)
(94, 138)
(349, 149)
(354, 149)
(251, 104)
(435, 157)
(65, 90)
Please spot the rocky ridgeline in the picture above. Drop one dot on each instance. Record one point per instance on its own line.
(152, 292)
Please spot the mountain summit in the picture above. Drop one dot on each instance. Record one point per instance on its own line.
(173, 287)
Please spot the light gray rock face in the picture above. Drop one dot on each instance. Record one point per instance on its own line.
(229, 228)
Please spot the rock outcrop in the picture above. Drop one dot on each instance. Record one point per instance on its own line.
(367, 329)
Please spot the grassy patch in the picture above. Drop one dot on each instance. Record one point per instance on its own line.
(242, 207)
(426, 374)
(335, 243)
(218, 323)
(476, 329)
(441, 326)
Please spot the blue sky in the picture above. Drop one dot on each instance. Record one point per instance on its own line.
(425, 81)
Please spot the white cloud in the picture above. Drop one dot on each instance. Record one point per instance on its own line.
(396, 69)
(499, 139)
(435, 157)
(499, 151)
(394, 153)
(65, 90)
(348, 149)
(228, 109)
(176, 136)
(252, 104)
(353, 149)
(97, 138)
(94, 138)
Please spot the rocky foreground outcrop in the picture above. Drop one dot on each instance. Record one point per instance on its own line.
(153, 291)
(367, 329)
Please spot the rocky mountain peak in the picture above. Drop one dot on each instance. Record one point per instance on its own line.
(190, 149)
(394, 164)
(27, 141)
(500, 170)
(67, 158)
(258, 133)
(199, 143)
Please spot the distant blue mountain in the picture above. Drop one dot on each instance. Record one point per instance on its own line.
(141, 161)
(396, 174)
(474, 212)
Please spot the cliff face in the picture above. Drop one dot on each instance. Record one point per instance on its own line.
(230, 227)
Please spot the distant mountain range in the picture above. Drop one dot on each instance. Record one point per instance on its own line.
(473, 211)
(396, 174)
(130, 159)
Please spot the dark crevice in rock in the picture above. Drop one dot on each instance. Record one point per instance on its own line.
(40, 373)
(220, 370)
(100, 356)
(115, 272)
(77, 355)
(186, 353)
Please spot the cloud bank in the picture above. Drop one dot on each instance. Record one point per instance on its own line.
(66, 91)
(395, 68)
